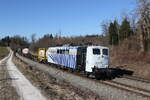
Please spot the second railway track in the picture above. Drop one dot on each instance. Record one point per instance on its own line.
(139, 85)
(137, 79)
(129, 88)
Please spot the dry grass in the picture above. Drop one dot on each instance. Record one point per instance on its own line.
(128, 56)
(3, 52)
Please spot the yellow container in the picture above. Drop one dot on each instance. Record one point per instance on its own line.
(42, 54)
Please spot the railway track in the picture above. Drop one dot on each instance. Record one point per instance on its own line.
(129, 88)
(140, 86)
(132, 88)
(137, 79)
(131, 84)
(124, 84)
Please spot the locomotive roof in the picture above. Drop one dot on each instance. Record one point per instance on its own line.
(75, 47)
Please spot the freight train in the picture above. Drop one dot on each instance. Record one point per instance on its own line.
(87, 60)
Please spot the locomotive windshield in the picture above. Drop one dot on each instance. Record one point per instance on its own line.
(96, 51)
(105, 51)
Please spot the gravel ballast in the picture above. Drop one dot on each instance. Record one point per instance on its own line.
(105, 91)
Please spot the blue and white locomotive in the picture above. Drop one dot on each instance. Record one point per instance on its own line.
(90, 59)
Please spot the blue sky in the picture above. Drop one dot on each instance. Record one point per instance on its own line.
(72, 17)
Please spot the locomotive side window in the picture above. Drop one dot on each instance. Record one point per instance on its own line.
(105, 51)
(66, 51)
(58, 51)
(62, 51)
(96, 51)
(53, 51)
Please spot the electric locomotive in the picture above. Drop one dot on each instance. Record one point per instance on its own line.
(88, 59)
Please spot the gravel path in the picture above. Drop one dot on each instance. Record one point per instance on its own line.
(24, 88)
(7, 91)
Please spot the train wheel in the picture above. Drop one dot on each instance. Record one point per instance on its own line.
(98, 76)
(87, 74)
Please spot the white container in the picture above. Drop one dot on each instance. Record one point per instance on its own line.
(25, 51)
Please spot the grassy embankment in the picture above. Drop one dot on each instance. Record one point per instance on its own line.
(3, 52)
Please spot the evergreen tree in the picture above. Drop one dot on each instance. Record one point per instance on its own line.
(125, 30)
(110, 33)
(5, 41)
(113, 33)
(51, 36)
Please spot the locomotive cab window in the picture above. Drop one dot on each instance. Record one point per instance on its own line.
(96, 51)
(105, 51)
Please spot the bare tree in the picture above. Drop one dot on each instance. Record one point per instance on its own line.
(143, 10)
(33, 37)
(105, 27)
